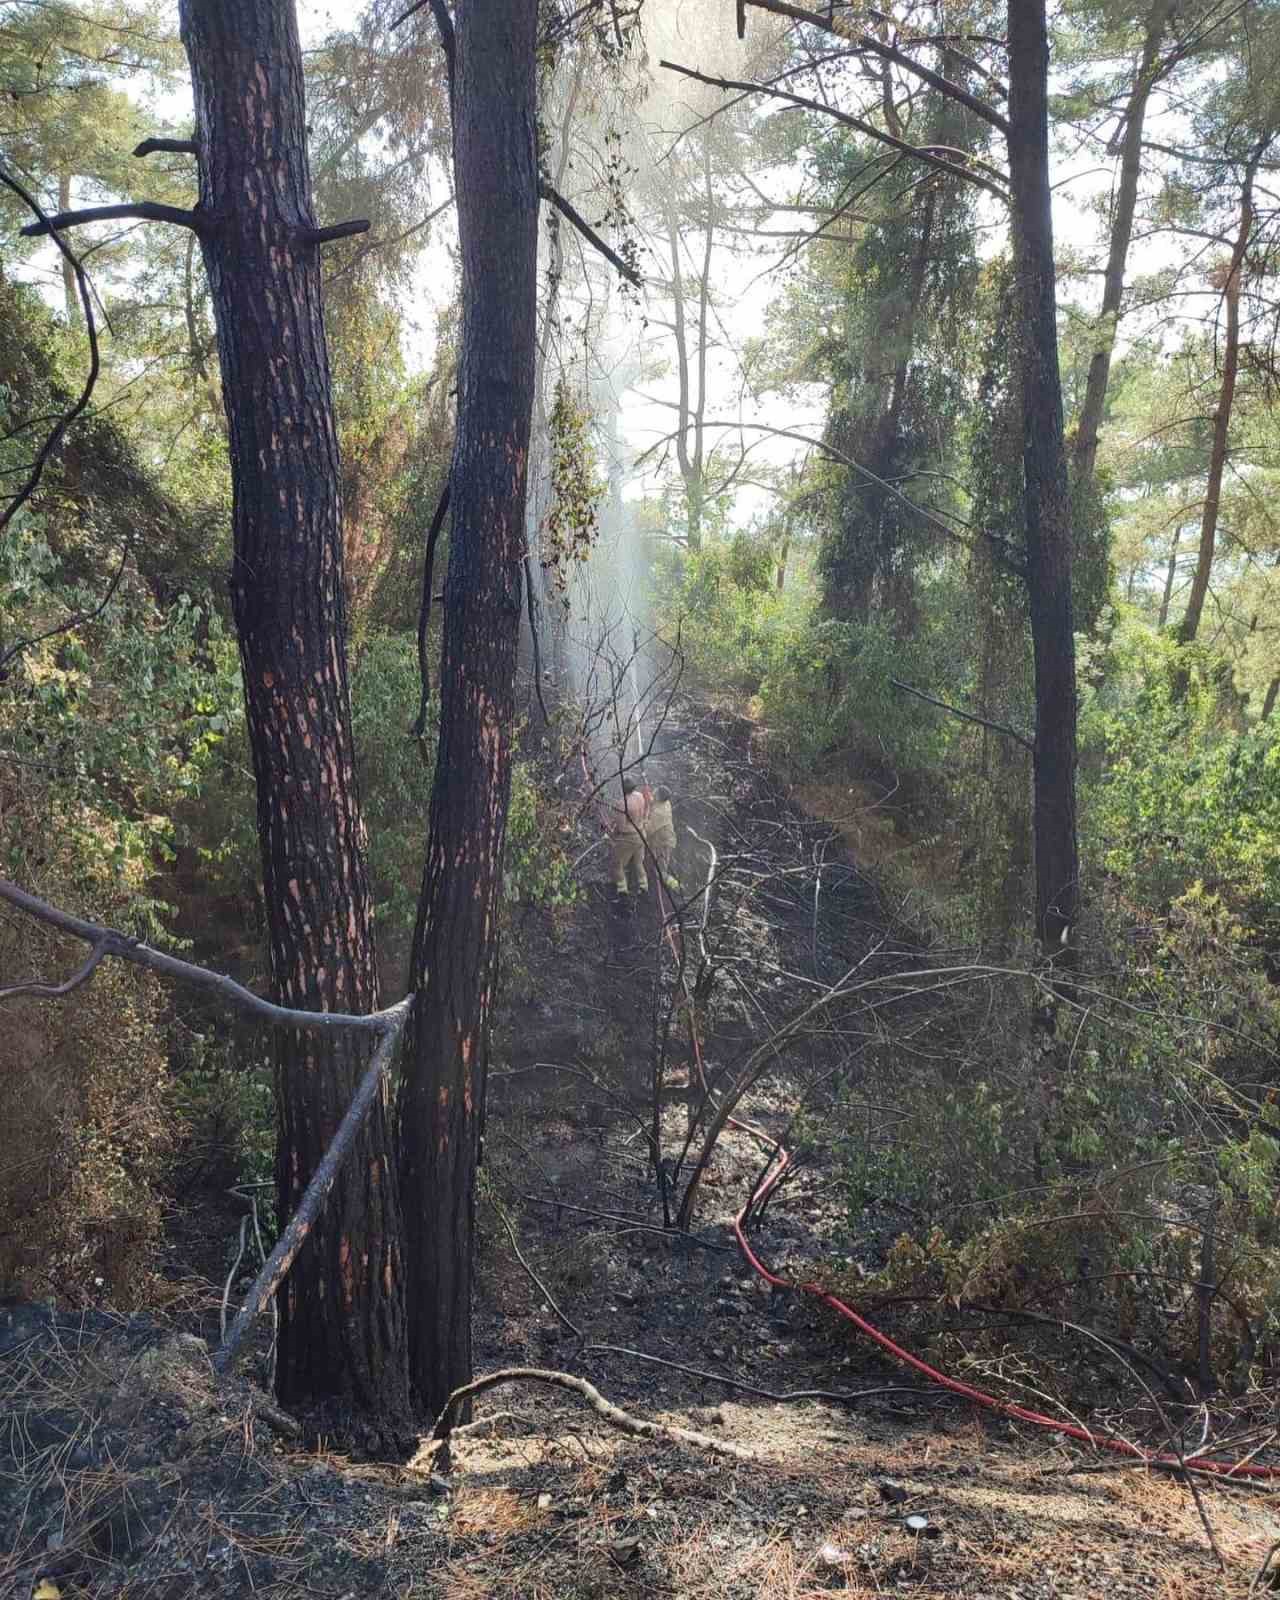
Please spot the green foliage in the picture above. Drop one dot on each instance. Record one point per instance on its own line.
(226, 1104)
(829, 689)
(1176, 796)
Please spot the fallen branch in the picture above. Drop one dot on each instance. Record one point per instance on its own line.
(637, 1427)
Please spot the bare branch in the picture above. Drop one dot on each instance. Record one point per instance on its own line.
(588, 232)
(124, 948)
(299, 1226)
(998, 547)
(943, 158)
(55, 991)
(887, 52)
(967, 716)
(137, 210)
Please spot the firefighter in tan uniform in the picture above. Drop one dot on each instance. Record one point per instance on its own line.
(660, 835)
(627, 827)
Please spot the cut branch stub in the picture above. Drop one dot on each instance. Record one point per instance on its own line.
(177, 147)
(338, 230)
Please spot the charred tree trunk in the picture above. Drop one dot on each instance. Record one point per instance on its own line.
(1269, 703)
(455, 946)
(1048, 503)
(342, 1330)
(1148, 75)
(1190, 624)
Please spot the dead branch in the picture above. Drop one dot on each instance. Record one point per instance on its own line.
(637, 1427)
(55, 991)
(299, 1225)
(124, 948)
(966, 716)
(575, 216)
(133, 210)
(533, 1277)
(943, 158)
(887, 52)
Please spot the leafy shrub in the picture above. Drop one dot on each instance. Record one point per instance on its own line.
(1175, 795)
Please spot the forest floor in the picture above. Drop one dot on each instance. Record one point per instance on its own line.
(126, 1471)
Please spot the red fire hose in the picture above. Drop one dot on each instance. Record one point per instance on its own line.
(774, 1175)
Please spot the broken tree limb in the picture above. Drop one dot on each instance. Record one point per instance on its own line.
(124, 948)
(299, 1225)
(637, 1427)
(575, 216)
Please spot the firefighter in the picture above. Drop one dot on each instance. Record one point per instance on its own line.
(660, 835)
(627, 827)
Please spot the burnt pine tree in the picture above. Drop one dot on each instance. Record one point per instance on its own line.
(456, 943)
(342, 1308)
(342, 1327)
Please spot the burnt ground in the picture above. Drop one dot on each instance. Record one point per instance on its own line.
(125, 1471)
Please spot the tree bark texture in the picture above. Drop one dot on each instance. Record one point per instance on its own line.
(456, 942)
(1190, 624)
(1048, 503)
(342, 1331)
(1126, 200)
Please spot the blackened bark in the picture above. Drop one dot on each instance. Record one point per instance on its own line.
(456, 943)
(1048, 504)
(1268, 704)
(1148, 74)
(341, 1309)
